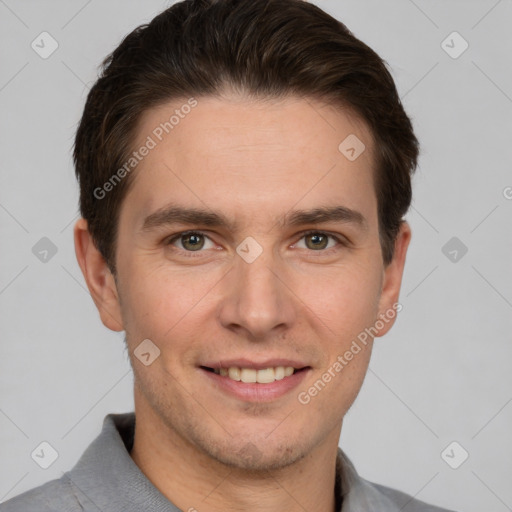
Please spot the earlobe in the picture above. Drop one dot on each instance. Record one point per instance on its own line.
(98, 277)
(392, 281)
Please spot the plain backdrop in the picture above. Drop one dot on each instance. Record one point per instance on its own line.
(442, 375)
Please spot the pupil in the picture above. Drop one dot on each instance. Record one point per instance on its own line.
(318, 238)
(193, 240)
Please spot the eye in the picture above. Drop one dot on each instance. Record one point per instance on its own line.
(195, 241)
(319, 241)
(191, 241)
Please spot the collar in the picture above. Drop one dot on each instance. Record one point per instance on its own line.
(106, 477)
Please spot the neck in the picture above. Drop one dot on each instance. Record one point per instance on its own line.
(194, 481)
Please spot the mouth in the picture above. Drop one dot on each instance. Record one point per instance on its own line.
(253, 375)
(253, 380)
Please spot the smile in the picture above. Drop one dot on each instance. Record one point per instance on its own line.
(263, 384)
(251, 375)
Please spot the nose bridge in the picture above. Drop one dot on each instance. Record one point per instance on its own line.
(257, 300)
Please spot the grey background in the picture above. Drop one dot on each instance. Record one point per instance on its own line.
(443, 372)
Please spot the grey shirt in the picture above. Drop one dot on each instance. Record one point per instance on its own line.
(106, 479)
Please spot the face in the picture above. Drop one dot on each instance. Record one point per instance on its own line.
(245, 282)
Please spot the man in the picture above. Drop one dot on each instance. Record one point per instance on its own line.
(244, 170)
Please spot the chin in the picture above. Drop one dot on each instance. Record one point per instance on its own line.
(254, 453)
(253, 458)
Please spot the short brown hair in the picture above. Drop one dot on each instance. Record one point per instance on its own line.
(264, 48)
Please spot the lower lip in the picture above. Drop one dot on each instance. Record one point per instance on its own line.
(255, 392)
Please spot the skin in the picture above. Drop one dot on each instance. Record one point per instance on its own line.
(253, 161)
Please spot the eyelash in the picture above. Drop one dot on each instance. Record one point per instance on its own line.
(190, 254)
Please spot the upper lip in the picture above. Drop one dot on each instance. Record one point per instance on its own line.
(256, 365)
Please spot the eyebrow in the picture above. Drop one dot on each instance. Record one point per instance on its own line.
(174, 214)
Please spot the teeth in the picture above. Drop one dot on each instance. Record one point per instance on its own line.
(264, 376)
(279, 373)
(251, 375)
(234, 373)
(248, 374)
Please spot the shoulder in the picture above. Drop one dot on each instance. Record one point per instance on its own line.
(361, 494)
(53, 496)
(405, 502)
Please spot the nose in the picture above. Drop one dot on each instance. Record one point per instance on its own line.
(257, 299)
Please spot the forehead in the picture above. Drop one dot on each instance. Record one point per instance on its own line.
(248, 157)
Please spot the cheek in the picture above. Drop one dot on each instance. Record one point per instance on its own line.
(343, 313)
(160, 301)
(346, 300)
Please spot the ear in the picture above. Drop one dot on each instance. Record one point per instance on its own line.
(98, 277)
(392, 281)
